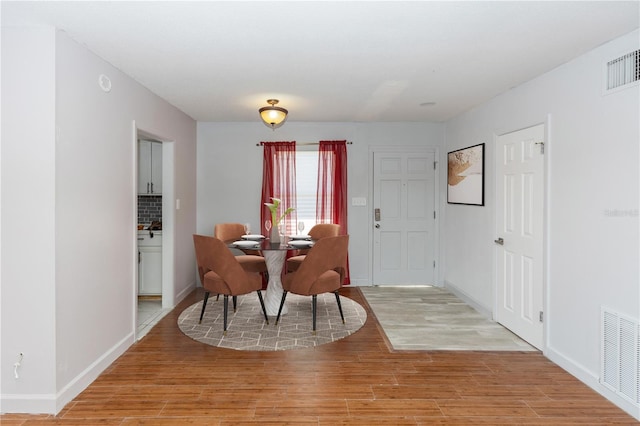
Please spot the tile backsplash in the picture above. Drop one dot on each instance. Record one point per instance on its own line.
(149, 208)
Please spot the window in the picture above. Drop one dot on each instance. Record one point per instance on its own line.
(306, 187)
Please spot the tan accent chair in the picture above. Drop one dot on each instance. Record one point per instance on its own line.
(221, 273)
(319, 231)
(251, 260)
(322, 271)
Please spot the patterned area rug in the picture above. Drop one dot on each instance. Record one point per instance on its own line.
(247, 330)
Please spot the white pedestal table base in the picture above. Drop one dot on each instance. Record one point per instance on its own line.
(275, 261)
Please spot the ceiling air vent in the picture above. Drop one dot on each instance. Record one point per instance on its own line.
(623, 71)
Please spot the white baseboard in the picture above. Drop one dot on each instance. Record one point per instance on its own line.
(184, 293)
(54, 403)
(28, 404)
(359, 283)
(483, 310)
(590, 379)
(84, 379)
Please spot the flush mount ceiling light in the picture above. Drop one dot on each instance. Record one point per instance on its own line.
(273, 116)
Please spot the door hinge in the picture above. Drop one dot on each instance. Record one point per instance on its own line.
(541, 316)
(434, 214)
(435, 163)
(434, 263)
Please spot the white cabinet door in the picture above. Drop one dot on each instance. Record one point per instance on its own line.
(150, 271)
(156, 168)
(144, 167)
(149, 168)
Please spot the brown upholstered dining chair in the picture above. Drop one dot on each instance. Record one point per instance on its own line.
(317, 232)
(221, 273)
(322, 271)
(251, 260)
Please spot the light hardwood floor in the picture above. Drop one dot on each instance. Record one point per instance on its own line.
(169, 379)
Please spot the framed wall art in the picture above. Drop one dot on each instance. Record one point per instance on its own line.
(465, 176)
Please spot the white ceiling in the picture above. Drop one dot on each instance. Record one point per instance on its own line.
(332, 61)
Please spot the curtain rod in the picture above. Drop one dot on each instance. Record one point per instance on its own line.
(305, 143)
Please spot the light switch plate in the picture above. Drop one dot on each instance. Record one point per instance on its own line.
(358, 201)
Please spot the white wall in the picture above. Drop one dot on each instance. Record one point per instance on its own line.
(592, 170)
(84, 201)
(27, 306)
(230, 171)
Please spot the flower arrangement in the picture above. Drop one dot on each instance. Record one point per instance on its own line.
(273, 207)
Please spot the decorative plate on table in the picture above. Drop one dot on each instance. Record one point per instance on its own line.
(245, 244)
(301, 243)
(300, 237)
(253, 237)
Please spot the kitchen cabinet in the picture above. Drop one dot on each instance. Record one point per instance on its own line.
(149, 263)
(149, 168)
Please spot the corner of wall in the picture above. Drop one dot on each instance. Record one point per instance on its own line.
(483, 310)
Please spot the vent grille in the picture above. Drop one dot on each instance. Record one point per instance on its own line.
(623, 70)
(620, 360)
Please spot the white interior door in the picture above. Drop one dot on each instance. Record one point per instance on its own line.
(404, 218)
(519, 218)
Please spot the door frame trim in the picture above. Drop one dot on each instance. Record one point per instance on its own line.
(168, 219)
(545, 222)
(437, 201)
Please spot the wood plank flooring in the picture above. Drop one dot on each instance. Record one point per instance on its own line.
(169, 379)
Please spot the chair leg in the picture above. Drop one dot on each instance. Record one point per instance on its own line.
(204, 305)
(314, 302)
(284, 296)
(226, 309)
(235, 302)
(264, 310)
(339, 305)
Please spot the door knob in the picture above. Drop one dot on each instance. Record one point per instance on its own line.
(377, 226)
(499, 241)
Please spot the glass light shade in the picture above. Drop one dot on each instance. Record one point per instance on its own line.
(273, 116)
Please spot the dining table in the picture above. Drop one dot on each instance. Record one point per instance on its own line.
(275, 255)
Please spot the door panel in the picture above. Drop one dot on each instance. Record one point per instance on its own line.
(390, 198)
(416, 201)
(519, 215)
(392, 260)
(404, 236)
(417, 255)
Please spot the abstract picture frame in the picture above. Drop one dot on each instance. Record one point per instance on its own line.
(465, 176)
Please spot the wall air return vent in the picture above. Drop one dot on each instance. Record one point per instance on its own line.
(623, 71)
(620, 355)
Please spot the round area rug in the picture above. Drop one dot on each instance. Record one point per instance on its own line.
(247, 330)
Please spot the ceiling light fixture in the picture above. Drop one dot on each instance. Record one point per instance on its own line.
(273, 116)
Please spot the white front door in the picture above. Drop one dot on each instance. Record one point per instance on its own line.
(404, 194)
(519, 223)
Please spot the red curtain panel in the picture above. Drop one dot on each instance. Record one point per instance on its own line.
(331, 203)
(279, 181)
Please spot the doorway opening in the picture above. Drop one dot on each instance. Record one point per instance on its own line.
(154, 243)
